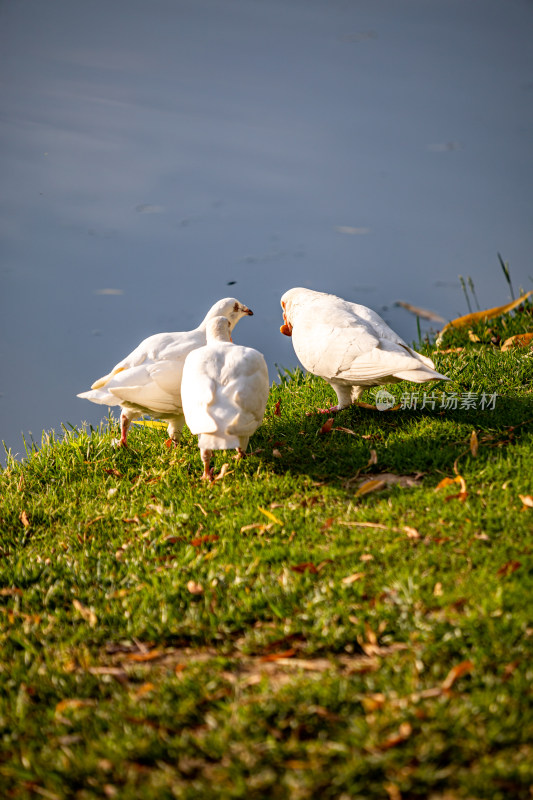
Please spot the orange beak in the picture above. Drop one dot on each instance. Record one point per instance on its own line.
(286, 329)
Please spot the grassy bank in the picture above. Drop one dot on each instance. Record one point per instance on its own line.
(281, 632)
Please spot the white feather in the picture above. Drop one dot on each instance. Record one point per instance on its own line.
(148, 380)
(349, 345)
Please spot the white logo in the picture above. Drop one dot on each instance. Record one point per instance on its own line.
(384, 400)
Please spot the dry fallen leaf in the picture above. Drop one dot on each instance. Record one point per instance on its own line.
(345, 430)
(412, 533)
(151, 655)
(509, 568)
(306, 566)
(87, 613)
(349, 579)
(24, 519)
(373, 458)
(520, 340)
(146, 688)
(326, 427)
(10, 592)
(276, 656)
(489, 313)
(223, 472)
(276, 453)
(404, 731)
(370, 486)
(200, 540)
(457, 672)
(474, 444)
(72, 702)
(270, 515)
(420, 312)
(277, 409)
(527, 500)
(195, 588)
(377, 525)
(462, 495)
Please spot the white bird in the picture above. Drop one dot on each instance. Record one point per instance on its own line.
(148, 380)
(349, 345)
(224, 393)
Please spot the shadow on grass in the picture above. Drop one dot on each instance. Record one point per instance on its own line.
(405, 442)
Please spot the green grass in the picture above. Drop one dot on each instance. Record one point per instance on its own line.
(155, 645)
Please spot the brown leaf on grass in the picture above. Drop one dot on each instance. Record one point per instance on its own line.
(276, 453)
(326, 427)
(140, 658)
(86, 612)
(420, 312)
(72, 703)
(373, 458)
(132, 520)
(277, 409)
(527, 500)
(509, 568)
(113, 471)
(404, 732)
(200, 540)
(490, 313)
(453, 350)
(344, 430)
(377, 525)
(374, 485)
(306, 566)
(474, 444)
(349, 579)
(412, 533)
(456, 672)
(24, 519)
(462, 495)
(276, 656)
(327, 524)
(520, 340)
(146, 688)
(195, 588)
(272, 517)
(223, 472)
(10, 592)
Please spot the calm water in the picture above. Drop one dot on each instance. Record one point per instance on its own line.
(157, 156)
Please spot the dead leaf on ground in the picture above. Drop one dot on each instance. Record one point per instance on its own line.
(344, 430)
(326, 427)
(412, 533)
(140, 658)
(509, 568)
(277, 409)
(349, 579)
(374, 485)
(276, 656)
(520, 340)
(195, 588)
(276, 453)
(270, 515)
(200, 540)
(457, 672)
(24, 519)
(113, 471)
(377, 525)
(72, 703)
(305, 566)
(462, 495)
(527, 500)
(474, 443)
(223, 472)
(86, 612)
(478, 316)
(404, 731)
(420, 312)
(146, 688)
(10, 592)
(373, 458)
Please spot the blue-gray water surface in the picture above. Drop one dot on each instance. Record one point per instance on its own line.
(157, 156)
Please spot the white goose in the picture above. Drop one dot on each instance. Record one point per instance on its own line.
(148, 380)
(349, 345)
(224, 393)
